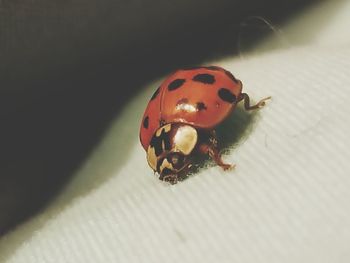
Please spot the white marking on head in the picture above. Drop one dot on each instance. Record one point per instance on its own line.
(185, 139)
(152, 158)
(166, 164)
(166, 128)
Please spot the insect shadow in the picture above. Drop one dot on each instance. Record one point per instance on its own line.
(236, 129)
(232, 132)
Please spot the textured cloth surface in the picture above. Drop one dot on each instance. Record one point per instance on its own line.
(286, 201)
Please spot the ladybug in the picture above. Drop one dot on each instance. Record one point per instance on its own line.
(180, 119)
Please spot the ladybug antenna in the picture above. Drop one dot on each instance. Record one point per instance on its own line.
(259, 25)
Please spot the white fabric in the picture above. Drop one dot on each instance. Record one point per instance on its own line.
(287, 200)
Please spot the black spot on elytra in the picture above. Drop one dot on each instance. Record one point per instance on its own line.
(155, 94)
(201, 106)
(204, 78)
(230, 75)
(226, 95)
(146, 122)
(157, 142)
(175, 84)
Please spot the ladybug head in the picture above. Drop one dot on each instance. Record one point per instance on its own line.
(170, 149)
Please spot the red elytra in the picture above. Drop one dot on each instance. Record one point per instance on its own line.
(181, 116)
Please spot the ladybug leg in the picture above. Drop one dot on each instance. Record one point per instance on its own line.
(216, 156)
(214, 153)
(247, 106)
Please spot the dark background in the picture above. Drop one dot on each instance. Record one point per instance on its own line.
(67, 66)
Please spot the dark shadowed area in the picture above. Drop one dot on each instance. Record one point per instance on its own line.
(67, 68)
